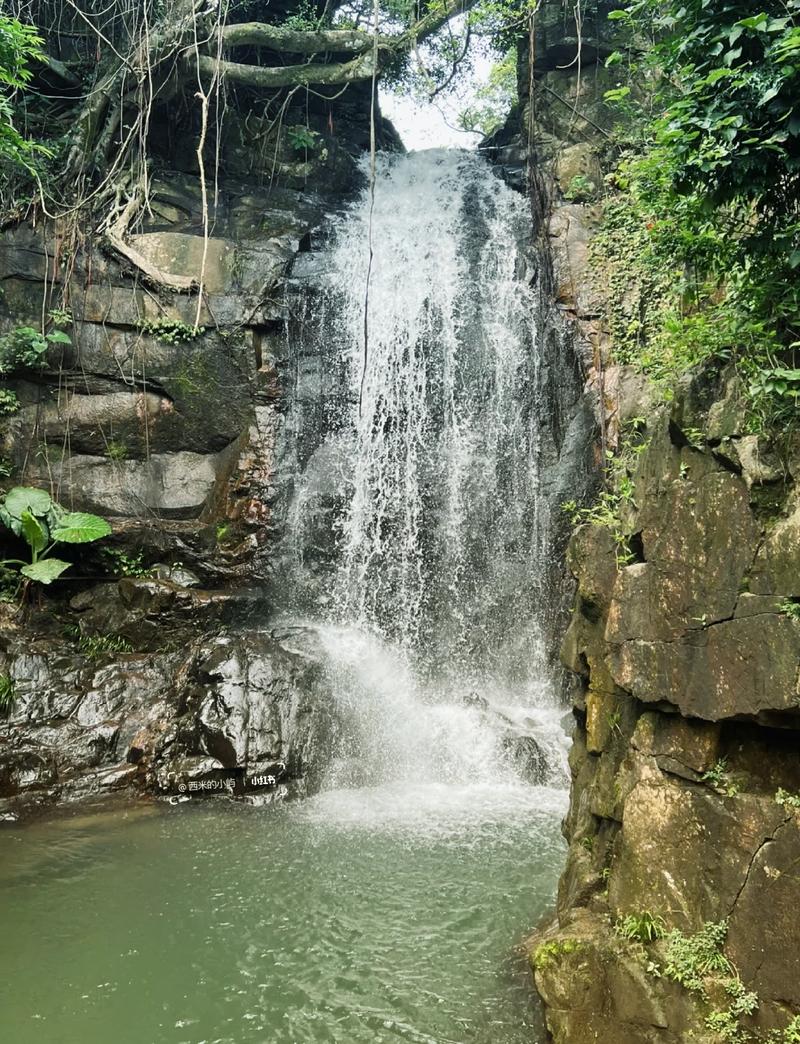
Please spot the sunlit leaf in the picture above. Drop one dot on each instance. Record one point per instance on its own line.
(46, 571)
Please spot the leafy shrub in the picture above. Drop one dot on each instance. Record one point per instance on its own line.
(123, 564)
(19, 45)
(720, 779)
(700, 243)
(116, 450)
(9, 402)
(690, 958)
(788, 800)
(26, 348)
(301, 138)
(580, 189)
(171, 331)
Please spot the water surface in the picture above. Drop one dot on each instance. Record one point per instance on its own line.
(368, 915)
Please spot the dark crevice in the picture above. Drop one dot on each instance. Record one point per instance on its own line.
(727, 464)
(636, 549)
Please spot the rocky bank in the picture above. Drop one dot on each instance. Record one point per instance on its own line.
(684, 650)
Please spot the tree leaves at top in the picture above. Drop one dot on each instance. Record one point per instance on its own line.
(732, 96)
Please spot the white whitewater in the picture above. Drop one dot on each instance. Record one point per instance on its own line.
(428, 595)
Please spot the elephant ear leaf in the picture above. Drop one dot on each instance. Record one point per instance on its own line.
(76, 527)
(14, 524)
(26, 498)
(34, 531)
(46, 571)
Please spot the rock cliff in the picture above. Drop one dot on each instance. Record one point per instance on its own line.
(675, 916)
(134, 671)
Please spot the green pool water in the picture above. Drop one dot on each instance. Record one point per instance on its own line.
(384, 914)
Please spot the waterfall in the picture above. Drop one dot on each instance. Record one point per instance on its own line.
(417, 533)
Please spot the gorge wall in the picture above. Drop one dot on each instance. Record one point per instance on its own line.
(676, 910)
(135, 671)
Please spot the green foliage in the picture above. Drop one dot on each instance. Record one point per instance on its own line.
(607, 509)
(788, 800)
(790, 608)
(692, 958)
(720, 779)
(8, 693)
(726, 1021)
(9, 402)
(580, 189)
(494, 99)
(32, 514)
(171, 331)
(60, 317)
(732, 88)
(701, 236)
(95, 646)
(116, 449)
(19, 45)
(26, 348)
(123, 564)
(303, 17)
(501, 21)
(644, 927)
(302, 138)
(550, 952)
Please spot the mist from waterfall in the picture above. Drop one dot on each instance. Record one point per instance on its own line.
(416, 529)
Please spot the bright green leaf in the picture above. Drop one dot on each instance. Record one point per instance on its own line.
(34, 532)
(59, 337)
(26, 498)
(46, 571)
(76, 527)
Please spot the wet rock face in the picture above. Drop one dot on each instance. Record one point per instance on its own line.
(227, 700)
(162, 410)
(687, 718)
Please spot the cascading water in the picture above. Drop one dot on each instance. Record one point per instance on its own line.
(417, 530)
(387, 907)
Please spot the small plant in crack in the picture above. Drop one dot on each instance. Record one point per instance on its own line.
(720, 779)
(644, 927)
(789, 801)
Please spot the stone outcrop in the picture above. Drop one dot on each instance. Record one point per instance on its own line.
(686, 650)
(683, 646)
(89, 718)
(174, 432)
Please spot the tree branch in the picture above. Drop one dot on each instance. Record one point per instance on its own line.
(439, 14)
(287, 75)
(338, 41)
(292, 41)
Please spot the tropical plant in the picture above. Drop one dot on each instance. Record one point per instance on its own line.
(8, 693)
(121, 563)
(720, 779)
(644, 927)
(25, 348)
(19, 45)
(33, 515)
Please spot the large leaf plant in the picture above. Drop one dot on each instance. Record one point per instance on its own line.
(33, 515)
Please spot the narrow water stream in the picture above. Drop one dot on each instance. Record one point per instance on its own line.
(389, 906)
